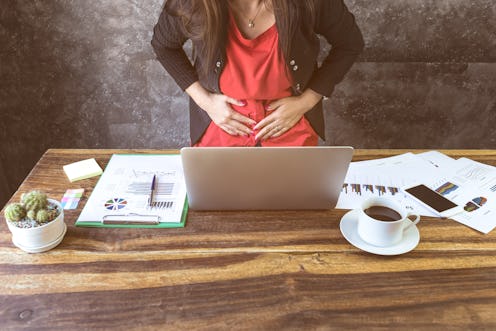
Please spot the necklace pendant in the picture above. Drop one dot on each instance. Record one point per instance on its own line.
(251, 24)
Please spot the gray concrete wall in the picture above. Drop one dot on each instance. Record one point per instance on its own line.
(82, 74)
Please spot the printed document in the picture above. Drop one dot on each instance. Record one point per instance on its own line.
(127, 191)
(468, 183)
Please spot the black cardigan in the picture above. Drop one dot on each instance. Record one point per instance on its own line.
(333, 21)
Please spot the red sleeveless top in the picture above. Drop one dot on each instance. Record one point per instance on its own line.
(256, 73)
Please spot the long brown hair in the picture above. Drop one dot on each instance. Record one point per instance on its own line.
(207, 21)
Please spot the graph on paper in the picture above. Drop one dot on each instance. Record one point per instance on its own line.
(470, 184)
(385, 178)
(125, 189)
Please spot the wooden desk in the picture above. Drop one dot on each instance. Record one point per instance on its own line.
(249, 270)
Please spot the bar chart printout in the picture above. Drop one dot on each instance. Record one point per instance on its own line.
(138, 188)
(468, 183)
(385, 178)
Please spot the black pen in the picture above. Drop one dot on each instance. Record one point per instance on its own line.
(152, 190)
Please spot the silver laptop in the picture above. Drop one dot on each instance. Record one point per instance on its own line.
(264, 178)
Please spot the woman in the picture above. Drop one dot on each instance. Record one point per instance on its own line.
(255, 79)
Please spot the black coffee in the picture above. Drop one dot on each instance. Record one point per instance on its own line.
(383, 213)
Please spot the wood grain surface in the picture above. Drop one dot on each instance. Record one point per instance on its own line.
(253, 270)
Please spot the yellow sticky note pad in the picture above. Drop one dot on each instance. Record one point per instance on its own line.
(82, 169)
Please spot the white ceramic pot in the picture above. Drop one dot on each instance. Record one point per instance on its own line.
(41, 238)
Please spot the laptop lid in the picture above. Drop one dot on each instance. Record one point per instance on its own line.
(264, 178)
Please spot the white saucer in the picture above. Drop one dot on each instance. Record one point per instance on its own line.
(348, 226)
(42, 248)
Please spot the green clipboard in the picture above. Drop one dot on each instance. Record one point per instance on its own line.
(130, 223)
(129, 219)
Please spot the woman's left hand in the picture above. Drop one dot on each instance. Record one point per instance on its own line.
(286, 112)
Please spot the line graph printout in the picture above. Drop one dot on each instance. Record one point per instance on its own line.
(124, 190)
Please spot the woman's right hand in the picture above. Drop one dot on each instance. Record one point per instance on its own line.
(218, 108)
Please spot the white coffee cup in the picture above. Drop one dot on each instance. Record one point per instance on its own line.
(383, 232)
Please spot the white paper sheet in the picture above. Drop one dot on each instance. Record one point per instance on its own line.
(123, 191)
(466, 182)
(386, 177)
(472, 185)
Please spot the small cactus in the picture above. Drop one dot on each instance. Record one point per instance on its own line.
(42, 216)
(34, 200)
(31, 214)
(33, 210)
(15, 212)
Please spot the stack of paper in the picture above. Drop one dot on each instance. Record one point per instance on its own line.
(471, 184)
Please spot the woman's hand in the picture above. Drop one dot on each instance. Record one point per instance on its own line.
(220, 111)
(218, 108)
(286, 112)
